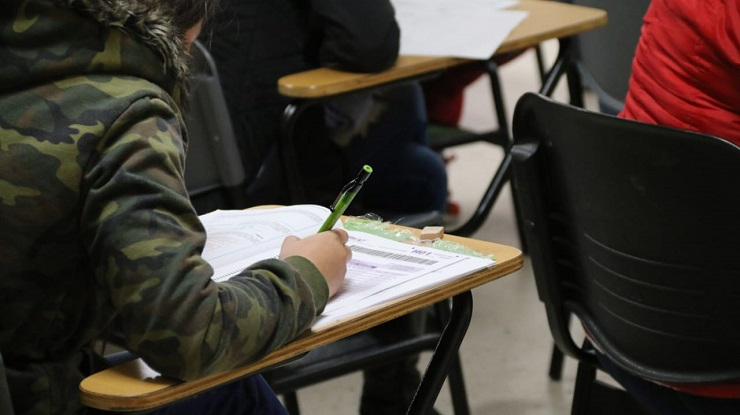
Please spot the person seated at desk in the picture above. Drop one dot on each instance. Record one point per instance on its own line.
(96, 221)
(685, 75)
(256, 42)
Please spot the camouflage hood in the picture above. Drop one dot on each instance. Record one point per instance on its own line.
(45, 39)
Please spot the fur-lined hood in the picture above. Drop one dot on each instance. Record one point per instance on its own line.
(145, 20)
(45, 40)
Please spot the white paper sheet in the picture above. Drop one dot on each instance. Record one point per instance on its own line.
(471, 29)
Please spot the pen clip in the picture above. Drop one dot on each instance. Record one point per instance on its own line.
(353, 186)
(347, 187)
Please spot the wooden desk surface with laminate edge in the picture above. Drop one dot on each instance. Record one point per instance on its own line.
(546, 20)
(133, 386)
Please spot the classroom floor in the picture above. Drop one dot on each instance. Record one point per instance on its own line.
(506, 352)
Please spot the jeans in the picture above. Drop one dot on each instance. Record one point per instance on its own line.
(408, 176)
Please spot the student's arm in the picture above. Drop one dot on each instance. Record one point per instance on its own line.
(144, 242)
(359, 35)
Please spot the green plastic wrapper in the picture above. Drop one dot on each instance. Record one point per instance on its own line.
(374, 225)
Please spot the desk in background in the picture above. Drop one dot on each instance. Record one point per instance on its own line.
(546, 20)
(133, 386)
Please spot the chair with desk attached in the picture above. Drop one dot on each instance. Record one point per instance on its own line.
(633, 229)
(133, 386)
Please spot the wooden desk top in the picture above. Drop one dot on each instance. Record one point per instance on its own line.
(546, 20)
(134, 386)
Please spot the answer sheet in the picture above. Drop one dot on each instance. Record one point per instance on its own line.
(380, 270)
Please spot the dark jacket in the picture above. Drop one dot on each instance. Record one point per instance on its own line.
(95, 222)
(256, 42)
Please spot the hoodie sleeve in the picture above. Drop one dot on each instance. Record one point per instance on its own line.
(359, 35)
(145, 242)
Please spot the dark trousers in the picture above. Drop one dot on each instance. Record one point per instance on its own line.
(389, 389)
(248, 396)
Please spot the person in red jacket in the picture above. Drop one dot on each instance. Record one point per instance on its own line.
(686, 74)
(686, 70)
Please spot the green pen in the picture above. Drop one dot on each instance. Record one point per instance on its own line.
(349, 191)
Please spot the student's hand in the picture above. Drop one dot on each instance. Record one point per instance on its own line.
(326, 250)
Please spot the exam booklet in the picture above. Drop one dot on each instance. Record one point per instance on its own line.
(380, 270)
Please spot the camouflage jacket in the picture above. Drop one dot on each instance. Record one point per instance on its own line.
(95, 222)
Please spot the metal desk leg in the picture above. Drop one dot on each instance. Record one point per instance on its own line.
(447, 348)
(564, 65)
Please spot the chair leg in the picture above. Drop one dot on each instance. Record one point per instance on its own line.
(540, 62)
(457, 387)
(581, 395)
(291, 403)
(556, 364)
(455, 378)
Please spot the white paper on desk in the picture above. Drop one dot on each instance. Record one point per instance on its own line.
(381, 269)
(239, 238)
(471, 29)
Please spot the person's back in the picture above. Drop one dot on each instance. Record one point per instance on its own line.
(96, 222)
(256, 42)
(686, 70)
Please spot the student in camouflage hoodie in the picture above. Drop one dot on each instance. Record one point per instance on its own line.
(95, 222)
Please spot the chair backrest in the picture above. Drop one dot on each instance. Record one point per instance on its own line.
(6, 405)
(634, 228)
(605, 54)
(214, 173)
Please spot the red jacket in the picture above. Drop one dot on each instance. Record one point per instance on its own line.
(686, 70)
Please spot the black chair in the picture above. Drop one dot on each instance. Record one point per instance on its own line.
(632, 228)
(605, 54)
(214, 174)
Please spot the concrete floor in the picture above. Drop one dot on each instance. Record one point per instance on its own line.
(506, 351)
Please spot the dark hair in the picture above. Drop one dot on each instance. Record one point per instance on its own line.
(187, 13)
